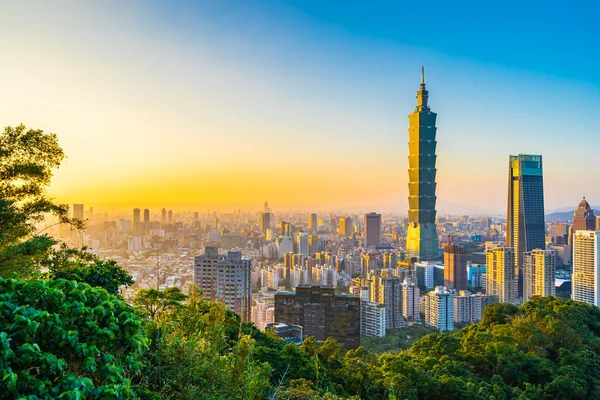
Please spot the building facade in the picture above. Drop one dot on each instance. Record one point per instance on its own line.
(525, 221)
(585, 280)
(584, 218)
(422, 238)
(539, 268)
(439, 309)
(500, 274)
(468, 307)
(227, 279)
(372, 229)
(321, 313)
(455, 266)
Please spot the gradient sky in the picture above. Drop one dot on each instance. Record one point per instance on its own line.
(303, 103)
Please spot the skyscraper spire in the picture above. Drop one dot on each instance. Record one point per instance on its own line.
(422, 75)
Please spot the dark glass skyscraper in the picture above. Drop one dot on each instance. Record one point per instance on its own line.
(525, 222)
(421, 238)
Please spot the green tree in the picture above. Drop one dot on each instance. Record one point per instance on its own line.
(153, 302)
(27, 159)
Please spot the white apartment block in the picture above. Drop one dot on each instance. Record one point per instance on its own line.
(468, 307)
(586, 274)
(500, 274)
(227, 279)
(439, 309)
(539, 268)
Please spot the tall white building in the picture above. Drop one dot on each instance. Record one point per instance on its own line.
(372, 316)
(539, 268)
(227, 279)
(469, 307)
(439, 309)
(586, 272)
(303, 244)
(410, 300)
(284, 245)
(500, 274)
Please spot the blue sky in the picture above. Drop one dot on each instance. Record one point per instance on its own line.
(305, 102)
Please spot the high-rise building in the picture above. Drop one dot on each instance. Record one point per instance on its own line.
(585, 280)
(78, 211)
(387, 290)
(163, 214)
(312, 223)
(410, 300)
(439, 309)
(584, 218)
(146, 224)
(598, 222)
(284, 245)
(137, 225)
(227, 279)
(422, 238)
(500, 274)
(539, 268)
(303, 247)
(322, 313)
(372, 229)
(372, 317)
(345, 228)
(468, 307)
(525, 226)
(265, 221)
(455, 266)
(170, 217)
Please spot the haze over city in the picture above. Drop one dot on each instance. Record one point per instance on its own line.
(221, 105)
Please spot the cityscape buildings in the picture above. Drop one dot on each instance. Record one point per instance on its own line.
(525, 221)
(422, 237)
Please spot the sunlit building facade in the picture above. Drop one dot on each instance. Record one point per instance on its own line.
(422, 238)
(500, 274)
(539, 268)
(586, 274)
(525, 221)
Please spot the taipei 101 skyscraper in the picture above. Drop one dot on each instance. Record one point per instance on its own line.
(421, 238)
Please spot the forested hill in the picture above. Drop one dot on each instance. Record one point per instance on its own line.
(64, 338)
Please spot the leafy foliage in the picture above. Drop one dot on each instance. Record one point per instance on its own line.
(81, 266)
(66, 339)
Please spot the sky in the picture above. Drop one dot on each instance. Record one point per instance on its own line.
(225, 104)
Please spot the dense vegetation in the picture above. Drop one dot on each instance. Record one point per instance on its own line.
(67, 334)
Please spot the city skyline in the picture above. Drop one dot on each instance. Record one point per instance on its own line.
(265, 100)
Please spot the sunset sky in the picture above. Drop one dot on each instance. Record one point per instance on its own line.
(223, 104)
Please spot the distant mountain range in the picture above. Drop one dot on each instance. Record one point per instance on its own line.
(558, 215)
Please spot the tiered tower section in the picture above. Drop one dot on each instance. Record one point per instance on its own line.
(421, 238)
